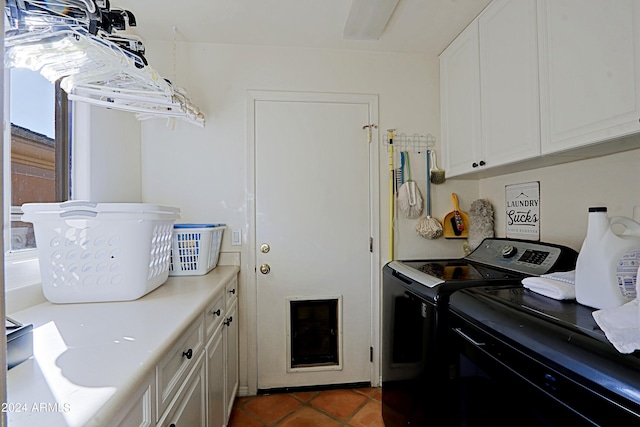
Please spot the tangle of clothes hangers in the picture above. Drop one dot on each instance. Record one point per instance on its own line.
(75, 41)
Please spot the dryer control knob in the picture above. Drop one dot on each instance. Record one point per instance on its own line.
(508, 251)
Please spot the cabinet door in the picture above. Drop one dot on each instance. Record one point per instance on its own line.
(189, 408)
(231, 353)
(140, 409)
(590, 71)
(216, 380)
(509, 82)
(460, 102)
(178, 362)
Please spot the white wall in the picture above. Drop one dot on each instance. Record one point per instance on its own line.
(106, 146)
(568, 190)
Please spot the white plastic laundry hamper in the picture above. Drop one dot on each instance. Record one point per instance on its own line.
(96, 252)
(196, 248)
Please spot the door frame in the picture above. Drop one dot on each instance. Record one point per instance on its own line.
(254, 96)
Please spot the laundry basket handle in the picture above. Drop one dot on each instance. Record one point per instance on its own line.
(91, 214)
(78, 203)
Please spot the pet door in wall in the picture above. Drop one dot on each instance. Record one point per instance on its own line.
(314, 329)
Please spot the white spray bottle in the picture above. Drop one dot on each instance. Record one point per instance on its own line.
(607, 264)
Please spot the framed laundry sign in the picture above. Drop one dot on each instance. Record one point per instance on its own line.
(523, 211)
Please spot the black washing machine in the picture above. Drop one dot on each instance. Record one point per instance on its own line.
(418, 361)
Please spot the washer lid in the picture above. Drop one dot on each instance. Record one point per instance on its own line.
(456, 270)
(407, 269)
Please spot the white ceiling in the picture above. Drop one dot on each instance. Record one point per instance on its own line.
(416, 26)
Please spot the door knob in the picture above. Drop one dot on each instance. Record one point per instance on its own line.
(265, 269)
(265, 248)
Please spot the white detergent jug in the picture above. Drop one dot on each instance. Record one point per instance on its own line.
(607, 264)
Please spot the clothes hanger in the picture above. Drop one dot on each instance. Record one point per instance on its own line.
(73, 41)
(30, 13)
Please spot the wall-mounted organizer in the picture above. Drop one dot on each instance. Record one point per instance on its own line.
(404, 142)
(399, 145)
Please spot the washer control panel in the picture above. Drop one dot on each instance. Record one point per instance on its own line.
(531, 258)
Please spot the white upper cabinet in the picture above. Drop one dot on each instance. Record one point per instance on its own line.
(509, 82)
(589, 71)
(460, 102)
(489, 90)
(531, 78)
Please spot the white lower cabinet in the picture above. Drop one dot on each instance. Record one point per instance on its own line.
(231, 357)
(222, 363)
(140, 411)
(215, 380)
(207, 397)
(177, 363)
(195, 383)
(222, 367)
(189, 406)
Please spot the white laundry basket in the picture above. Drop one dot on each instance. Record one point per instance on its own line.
(195, 249)
(96, 252)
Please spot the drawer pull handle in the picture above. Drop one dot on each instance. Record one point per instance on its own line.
(188, 354)
(217, 312)
(468, 338)
(233, 291)
(228, 321)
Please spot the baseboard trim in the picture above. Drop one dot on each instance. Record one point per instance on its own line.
(323, 387)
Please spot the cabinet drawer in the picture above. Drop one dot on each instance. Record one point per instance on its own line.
(232, 291)
(213, 315)
(176, 364)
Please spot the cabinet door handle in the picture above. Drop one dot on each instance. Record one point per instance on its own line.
(188, 354)
(172, 425)
(233, 291)
(474, 165)
(217, 312)
(228, 321)
(482, 163)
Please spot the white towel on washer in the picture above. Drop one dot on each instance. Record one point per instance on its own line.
(620, 325)
(560, 285)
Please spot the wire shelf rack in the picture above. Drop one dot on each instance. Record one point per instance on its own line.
(409, 142)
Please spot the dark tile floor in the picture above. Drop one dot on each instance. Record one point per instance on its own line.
(360, 407)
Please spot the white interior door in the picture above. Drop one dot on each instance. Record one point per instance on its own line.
(313, 210)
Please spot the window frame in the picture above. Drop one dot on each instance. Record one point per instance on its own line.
(22, 266)
(63, 144)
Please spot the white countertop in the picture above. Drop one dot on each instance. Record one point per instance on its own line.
(88, 358)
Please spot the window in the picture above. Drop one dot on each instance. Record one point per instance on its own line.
(36, 153)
